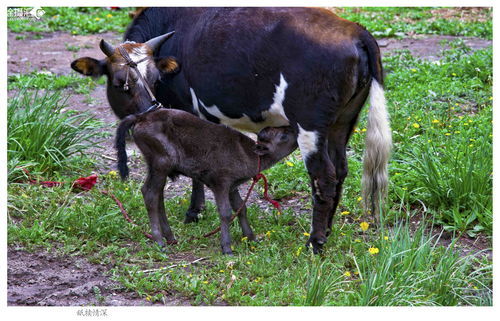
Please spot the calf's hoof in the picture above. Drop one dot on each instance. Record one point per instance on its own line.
(316, 244)
(191, 217)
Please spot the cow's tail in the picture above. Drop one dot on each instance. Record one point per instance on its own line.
(120, 144)
(378, 140)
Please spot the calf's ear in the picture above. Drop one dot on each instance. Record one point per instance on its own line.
(89, 66)
(168, 65)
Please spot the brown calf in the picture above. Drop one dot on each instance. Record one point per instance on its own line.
(175, 142)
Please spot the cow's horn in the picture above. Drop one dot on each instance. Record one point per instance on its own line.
(108, 49)
(156, 42)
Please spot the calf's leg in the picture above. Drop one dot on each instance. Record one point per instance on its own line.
(152, 192)
(236, 204)
(224, 207)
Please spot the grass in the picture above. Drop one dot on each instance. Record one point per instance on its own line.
(76, 20)
(441, 175)
(401, 21)
(44, 137)
(381, 21)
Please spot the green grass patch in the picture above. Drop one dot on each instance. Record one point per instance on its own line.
(76, 20)
(44, 136)
(386, 266)
(401, 21)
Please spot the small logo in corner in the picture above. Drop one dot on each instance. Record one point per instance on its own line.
(37, 12)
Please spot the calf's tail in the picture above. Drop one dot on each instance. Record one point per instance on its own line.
(378, 140)
(120, 143)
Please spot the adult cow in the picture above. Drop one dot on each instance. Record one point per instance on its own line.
(251, 68)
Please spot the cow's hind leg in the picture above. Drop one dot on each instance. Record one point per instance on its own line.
(197, 202)
(322, 173)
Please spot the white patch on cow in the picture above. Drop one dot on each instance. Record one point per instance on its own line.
(276, 111)
(307, 141)
(137, 54)
(196, 105)
(273, 117)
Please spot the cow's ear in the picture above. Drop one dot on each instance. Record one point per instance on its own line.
(89, 66)
(168, 65)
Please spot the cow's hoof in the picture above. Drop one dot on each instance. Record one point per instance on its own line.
(191, 217)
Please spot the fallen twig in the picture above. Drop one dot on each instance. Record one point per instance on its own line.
(174, 265)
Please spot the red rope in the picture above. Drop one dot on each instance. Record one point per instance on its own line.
(86, 183)
(256, 178)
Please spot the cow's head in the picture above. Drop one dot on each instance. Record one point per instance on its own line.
(133, 97)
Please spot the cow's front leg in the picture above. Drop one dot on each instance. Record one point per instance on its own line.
(197, 202)
(323, 184)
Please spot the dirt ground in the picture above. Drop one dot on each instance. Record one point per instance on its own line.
(44, 278)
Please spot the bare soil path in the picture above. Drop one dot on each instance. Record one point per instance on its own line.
(44, 278)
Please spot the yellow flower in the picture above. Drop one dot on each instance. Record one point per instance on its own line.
(373, 250)
(363, 130)
(113, 174)
(97, 19)
(205, 282)
(268, 233)
(357, 240)
(345, 212)
(299, 250)
(414, 70)
(364, 226)
(347, 273)
(244, 239)
(453, 74)
(435, 121)
(360, 199)
(109, 15)
(289, 163)
(447, 134)
(415, 125)
(306, 234)
(386, 238)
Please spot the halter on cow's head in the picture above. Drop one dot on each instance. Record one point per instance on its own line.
(132, 73)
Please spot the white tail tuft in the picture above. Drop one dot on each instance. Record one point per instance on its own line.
(378, 149)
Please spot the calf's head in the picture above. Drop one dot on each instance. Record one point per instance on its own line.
(126, 92)
(276, 142)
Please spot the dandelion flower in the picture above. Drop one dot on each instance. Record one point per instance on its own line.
(289, 163)
(364, 226)
(386, 238)
(109, 15)
(415, 125)
(113, 174)
(306, 234)
(360, 199)
(435, 121)
(373, 250)
(345, 213)
(347, 273)
(97, 19)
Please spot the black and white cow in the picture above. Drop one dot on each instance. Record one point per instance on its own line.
(251, 68)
